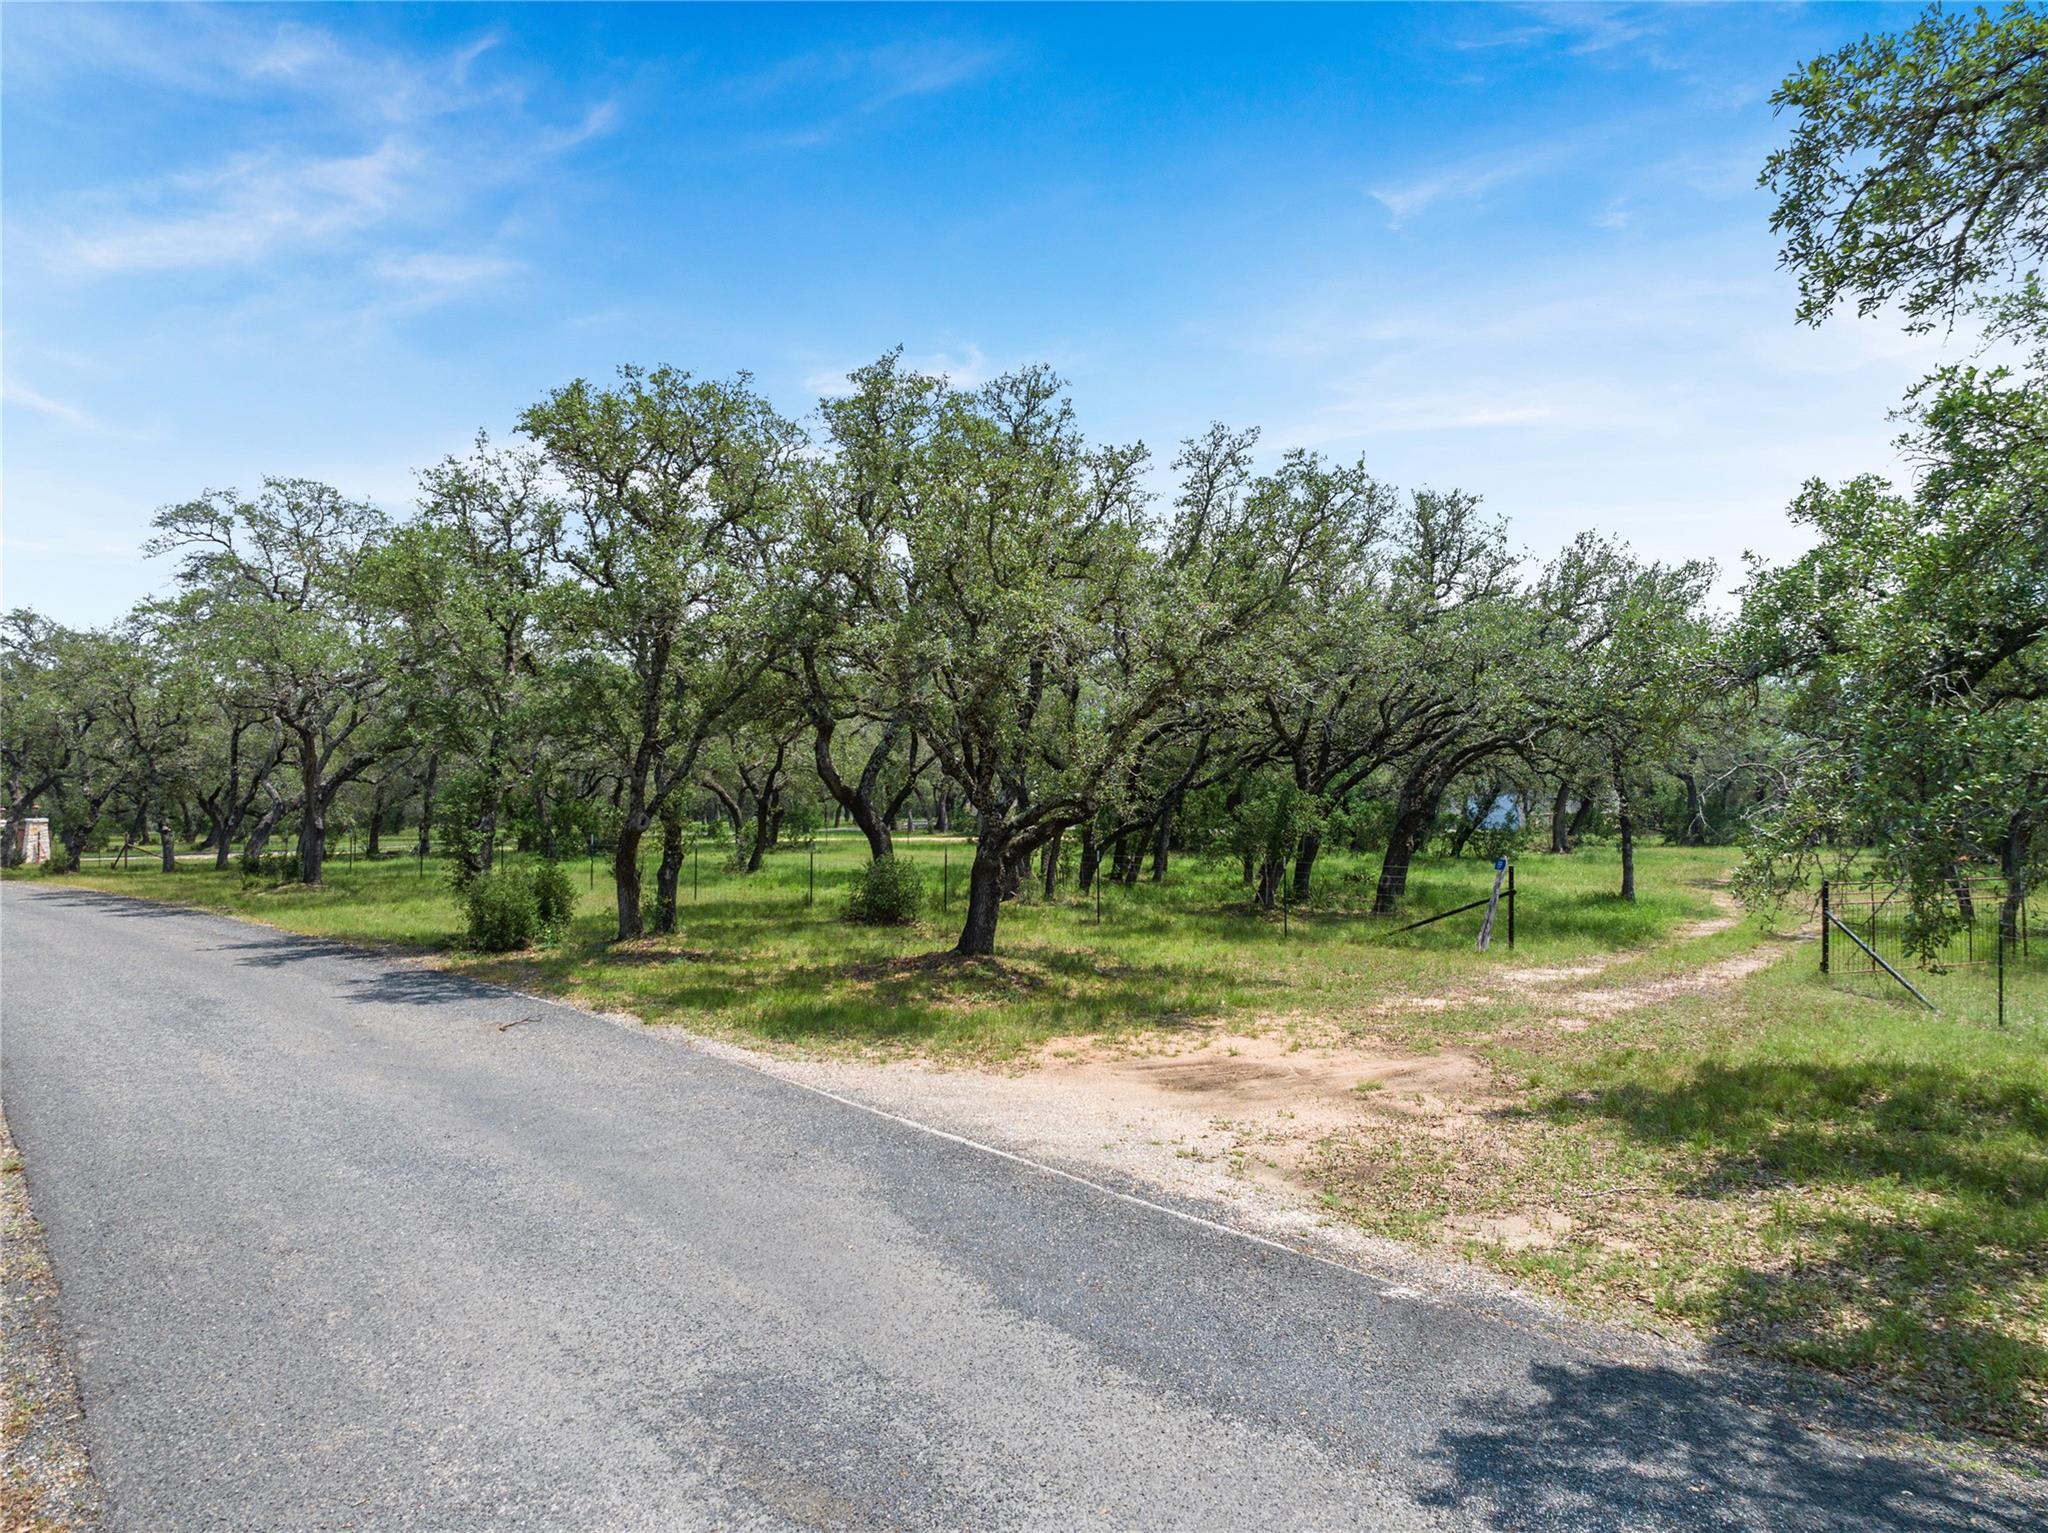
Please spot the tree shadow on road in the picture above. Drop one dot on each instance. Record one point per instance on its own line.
(1614, 1445)
(132, 907)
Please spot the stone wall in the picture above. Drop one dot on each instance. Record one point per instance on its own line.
(31, 838)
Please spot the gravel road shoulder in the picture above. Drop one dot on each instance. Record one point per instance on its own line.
(46, 1478)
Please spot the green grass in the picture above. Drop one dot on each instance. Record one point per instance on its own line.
(1813, 1170)
(754, 959)
(1788, 1166)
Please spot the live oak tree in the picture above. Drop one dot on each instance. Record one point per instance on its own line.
(1916, 633)
(59, 747)
(470, 580)
(1020, 554)
(1917, 170)
(1632, 670)
(1457, 640)
(1912, 636)
(157, 704)
(273, 584)
(677, 503)
(1053, 629)
(842, 663)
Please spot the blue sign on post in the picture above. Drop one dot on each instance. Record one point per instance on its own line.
(1500, 872)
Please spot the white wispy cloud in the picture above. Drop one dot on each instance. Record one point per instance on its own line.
(1467, 179)
(444, 268)
(966, 370)
(872, 77)
(435, 134)
(1577, 29)
(846, 86)
(21, 395)
(246, 209)
(232, 52)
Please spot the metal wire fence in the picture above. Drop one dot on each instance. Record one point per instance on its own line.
(1983, 928)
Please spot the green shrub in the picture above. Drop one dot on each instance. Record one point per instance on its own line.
(1496, 841)
(887, 892)
(554, 895)
(503, 912)
(801, 822)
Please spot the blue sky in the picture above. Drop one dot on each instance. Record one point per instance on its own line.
(1514, 249)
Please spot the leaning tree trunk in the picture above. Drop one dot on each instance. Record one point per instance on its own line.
(626, 863)
(1625, 823)
(1050, 867)
(261, 832)
(669, 874)
(856, 800)
(1696, 830)
(1162, 837)
(312, 816)
(1580, 816)
(1123, 860)
(219, 835)
(2012, 859)
(1560, 808)
(764, 825)
(984, 893)
(427, 805)
(1305, 854)
(1411, 824)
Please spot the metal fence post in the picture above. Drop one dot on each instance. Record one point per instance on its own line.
(1511, 907)
(2001, 968)
(812, 897)
(1824, 923)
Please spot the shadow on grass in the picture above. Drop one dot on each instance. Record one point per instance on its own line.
(878, 993)
(1910, 1226)
(1611, 1445)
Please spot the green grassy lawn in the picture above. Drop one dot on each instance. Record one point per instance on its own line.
(1813, 1170)
(755, 958)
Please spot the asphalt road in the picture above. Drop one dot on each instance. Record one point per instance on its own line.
(344, 1243)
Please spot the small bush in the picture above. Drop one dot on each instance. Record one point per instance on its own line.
(801, 823)
(503, 912)
(887, 892)
(554, 895)
(1496, 841)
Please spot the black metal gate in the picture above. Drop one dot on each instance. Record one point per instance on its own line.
(1865, 929)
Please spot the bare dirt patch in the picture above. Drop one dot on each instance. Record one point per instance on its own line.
(1258, 1116)
(1516, 1232)
(1582, 1008)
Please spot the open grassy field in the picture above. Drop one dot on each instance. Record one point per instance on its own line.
(1681, 1121)
(756, 957)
